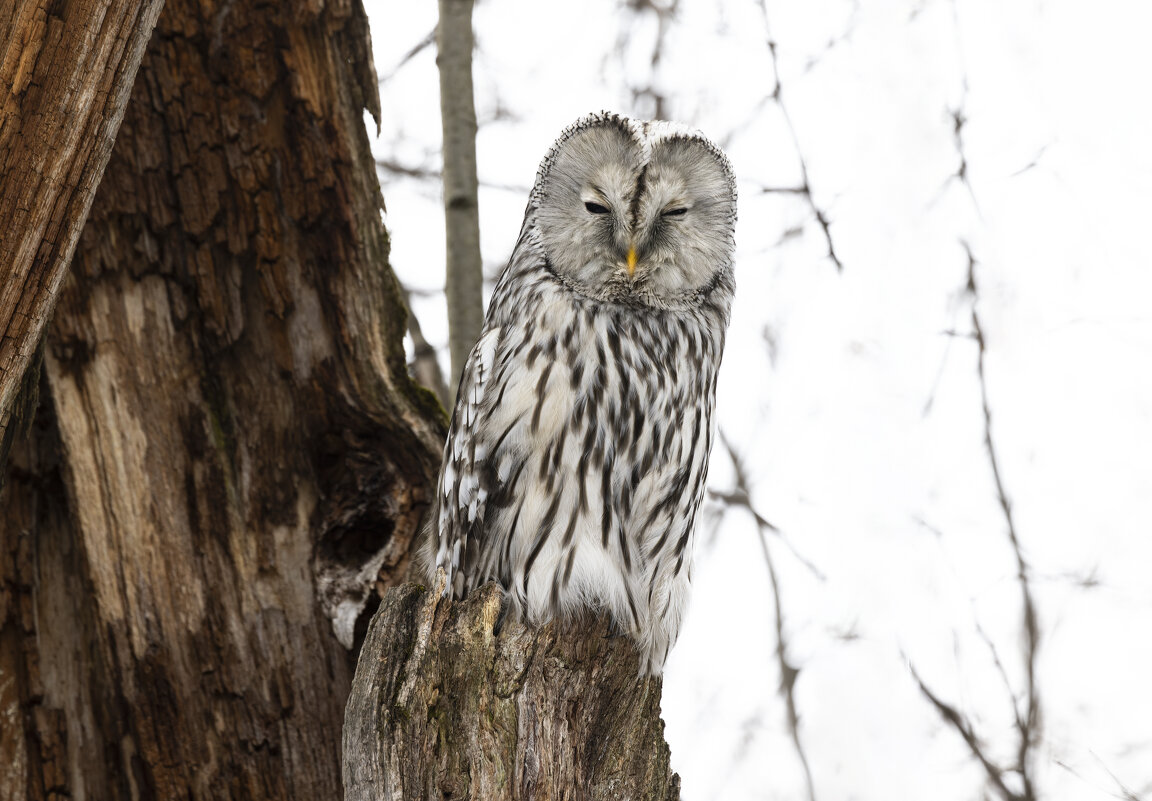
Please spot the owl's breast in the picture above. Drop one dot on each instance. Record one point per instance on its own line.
(600, 425)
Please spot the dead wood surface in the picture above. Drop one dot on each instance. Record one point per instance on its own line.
(443, 708)
(229, 453)
(66, 70)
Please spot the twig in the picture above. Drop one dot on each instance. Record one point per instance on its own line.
(396, 168)
(1034, 162)
(431, 174)
(835, 41)
(788, 673)
(1029, 721)
(995, 653)
(805, 187)
(428, 40)
(960, 116)
(951, 334)
(425, 367)
(963, 726)
(1128, 794)
(665, 14)
(740, 497)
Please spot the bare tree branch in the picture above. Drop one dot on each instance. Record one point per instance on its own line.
(409, 171)
(665, 16)
(421, 173)
(960, 722)
(805, 187)
(740, 497)
(785, 190)
(1125, 793)
(835, 41)
(1026, 708)
(959, 118)
(1003, 673)
(1035, 160)
(1028, 721)
(788, 672)
(418, 48)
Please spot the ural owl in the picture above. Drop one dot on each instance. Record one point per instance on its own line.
(578, 450)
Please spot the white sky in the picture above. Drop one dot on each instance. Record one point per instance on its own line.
(863, 431)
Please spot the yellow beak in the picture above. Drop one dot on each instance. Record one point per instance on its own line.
(631, 260)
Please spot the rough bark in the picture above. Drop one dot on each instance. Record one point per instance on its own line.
(66, 70)
(229, 453)
(464, 277)
(443, 708)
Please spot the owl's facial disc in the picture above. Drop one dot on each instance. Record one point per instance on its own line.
(638, 215)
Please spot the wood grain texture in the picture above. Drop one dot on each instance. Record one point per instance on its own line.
(443, 708)
(66, 71)
(229, 457)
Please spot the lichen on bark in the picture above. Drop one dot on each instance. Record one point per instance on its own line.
(444, 707)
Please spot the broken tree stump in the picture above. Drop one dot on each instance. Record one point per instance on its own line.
(444, 708)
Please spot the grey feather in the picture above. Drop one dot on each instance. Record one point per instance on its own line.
(578, 451)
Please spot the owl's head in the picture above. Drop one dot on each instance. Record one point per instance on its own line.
(635, 211)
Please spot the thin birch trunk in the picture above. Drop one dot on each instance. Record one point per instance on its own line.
(464, 275)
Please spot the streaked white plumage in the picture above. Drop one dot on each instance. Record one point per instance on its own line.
(578, 450)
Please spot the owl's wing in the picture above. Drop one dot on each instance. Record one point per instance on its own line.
(463, 490)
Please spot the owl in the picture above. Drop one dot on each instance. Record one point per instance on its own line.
(578, 450)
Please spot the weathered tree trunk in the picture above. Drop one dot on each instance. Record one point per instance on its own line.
(443, 708)
(66, 70)
(229, 453)
(464, 277)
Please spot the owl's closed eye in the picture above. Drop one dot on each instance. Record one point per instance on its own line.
(578, 450)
